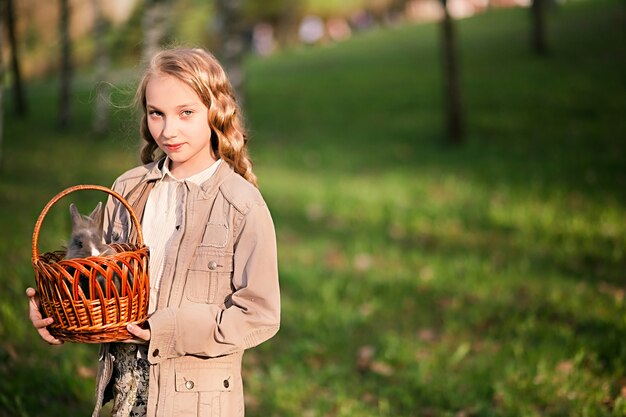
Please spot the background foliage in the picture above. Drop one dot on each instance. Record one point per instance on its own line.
(417, 280)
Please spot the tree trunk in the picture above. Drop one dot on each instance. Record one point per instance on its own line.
(3, 11)
(232, 41)
(18, 90)
(452, 90)
(538, 36)
(65, 110)
(154, 25)
(102, 62)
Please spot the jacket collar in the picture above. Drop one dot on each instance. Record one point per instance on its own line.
(206, 189)
(155, 170)
(210, 186)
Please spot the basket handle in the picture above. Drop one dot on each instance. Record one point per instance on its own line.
(69, 190)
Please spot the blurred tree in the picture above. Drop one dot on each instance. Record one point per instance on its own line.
(65, 96)
(102, 62)
(18, 91)
(155, 27)
(538, 34)
(232, 39)
(452, 90)
(126, 40)
(282, 15)
(398, 7)
(378, 9)
(3, 11)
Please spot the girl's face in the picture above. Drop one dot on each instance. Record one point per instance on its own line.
(178, 121)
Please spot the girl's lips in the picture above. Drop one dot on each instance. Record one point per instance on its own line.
(173, 147)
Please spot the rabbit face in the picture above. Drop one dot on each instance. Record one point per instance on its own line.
(86, 237)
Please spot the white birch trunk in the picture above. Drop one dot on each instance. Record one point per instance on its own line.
(154, 27)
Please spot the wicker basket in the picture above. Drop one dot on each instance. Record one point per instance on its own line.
(77, 318)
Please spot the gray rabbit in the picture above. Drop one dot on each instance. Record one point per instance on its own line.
(87, 240)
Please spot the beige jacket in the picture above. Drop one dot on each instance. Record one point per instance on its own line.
(219, 293)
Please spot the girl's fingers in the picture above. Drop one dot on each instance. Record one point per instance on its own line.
(38, 321)
(46, 336)
(33, 308)
(138, 332)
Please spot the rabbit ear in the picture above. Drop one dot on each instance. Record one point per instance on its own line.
(96, 212)
(97, 215)
(76, 217)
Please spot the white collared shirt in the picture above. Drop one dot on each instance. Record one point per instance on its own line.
(162, 219)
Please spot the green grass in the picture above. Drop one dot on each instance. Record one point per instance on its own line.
(488, 280)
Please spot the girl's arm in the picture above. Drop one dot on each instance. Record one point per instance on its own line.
(254, 315)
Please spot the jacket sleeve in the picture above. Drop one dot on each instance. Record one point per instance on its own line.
(253, 315)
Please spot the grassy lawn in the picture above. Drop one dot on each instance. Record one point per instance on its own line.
(417, 280)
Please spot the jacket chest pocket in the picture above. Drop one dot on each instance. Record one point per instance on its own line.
(209, 277)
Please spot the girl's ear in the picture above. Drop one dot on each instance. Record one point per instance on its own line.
(76, 217)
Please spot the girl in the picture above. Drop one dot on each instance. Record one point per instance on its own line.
(213, 266)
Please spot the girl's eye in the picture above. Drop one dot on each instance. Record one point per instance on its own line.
(187, 113)
(155, 113)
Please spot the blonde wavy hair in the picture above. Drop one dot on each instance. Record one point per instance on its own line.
(201, 71)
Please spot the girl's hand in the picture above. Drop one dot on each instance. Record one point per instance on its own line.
(38, 321)
(142, 336)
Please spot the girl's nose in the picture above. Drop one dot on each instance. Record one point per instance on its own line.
(170, 130)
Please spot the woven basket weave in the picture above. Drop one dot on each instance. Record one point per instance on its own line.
(102, 318)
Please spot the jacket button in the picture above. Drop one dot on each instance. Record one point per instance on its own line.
(226, 383)
(189, 384)
(212, 265)
(155, 353)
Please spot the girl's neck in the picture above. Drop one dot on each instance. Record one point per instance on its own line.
(182, 171)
